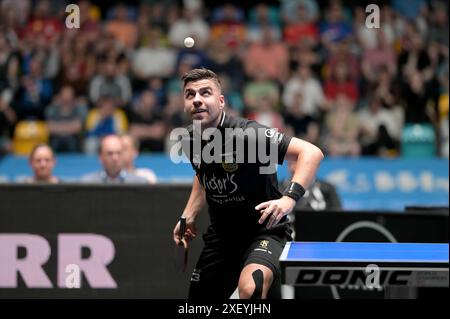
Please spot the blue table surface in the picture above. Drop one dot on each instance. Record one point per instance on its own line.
(371, 252)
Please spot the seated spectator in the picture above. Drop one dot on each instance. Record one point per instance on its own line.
(228, 26)
(42, 162)
(175, 85)
(110, 82)
(380, 57)
(438, 31)
(378, 128)
(130, 153)
(111, 155)
(414, 57)
(268, 49)
(34, 94)
(384, 88)
(301, 124)
(233, 98)
(266, 115)
(65, 119)
(334, 28)
(409, 9)
(90, 25)
(78, 63)
(313, 97)
(173, 113)
(153, 59)
(366, 38)
(43, 23)
(263, 15)
(146, 123)
(260, 88)
(289, 10)
(342, 129)
(343, 55)
(302, 29)
(103, 120)
(415, 96)
(340, 82)
(194, 56)
(222, 60)
(123, 28)
(191, 24)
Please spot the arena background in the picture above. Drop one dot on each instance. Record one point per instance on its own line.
(374, 99)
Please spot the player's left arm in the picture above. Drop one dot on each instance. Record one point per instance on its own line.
(308, 158)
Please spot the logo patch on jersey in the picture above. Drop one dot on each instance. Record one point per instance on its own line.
(270, 132)
(229, 167)
(274, 136)
(264, 243)
(196, 275)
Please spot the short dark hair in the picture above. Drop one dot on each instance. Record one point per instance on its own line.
(200, 74)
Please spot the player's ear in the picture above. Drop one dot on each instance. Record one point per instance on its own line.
(222, 101)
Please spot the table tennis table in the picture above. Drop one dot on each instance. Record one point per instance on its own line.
(350, 264)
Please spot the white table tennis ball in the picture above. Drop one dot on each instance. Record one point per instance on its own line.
(189, 42)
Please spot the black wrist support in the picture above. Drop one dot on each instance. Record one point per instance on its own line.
(295, 191)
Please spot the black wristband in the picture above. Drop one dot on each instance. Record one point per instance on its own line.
(294, 191)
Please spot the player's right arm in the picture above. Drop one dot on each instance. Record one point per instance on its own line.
(193, 207)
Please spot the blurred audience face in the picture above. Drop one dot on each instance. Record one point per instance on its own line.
(42, 8)
(35, 67)
(304, 71)
(111, 155)
(121, 13)
(341, 72)
(267, 35)
(147, 101)
(106, 106)
(262, 13)
(130, 151)
(42, 161)
(67, 96)
(375, 105)
(110, 69)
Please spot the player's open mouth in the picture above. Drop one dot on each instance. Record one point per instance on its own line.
(199, 111)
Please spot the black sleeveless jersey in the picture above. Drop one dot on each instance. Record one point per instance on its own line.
(236, 165)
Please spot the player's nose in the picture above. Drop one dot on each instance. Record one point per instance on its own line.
(197, 103)
(197, 98)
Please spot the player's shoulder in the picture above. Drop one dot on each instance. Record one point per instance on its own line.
(239, 122)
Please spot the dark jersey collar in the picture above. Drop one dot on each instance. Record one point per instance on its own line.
(223, 120)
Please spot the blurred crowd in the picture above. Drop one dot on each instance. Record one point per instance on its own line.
(313, 69)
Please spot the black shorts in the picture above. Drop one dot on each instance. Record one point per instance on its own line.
(217, 271)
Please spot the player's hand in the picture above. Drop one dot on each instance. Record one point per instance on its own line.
(189, 234)
(275, 210)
